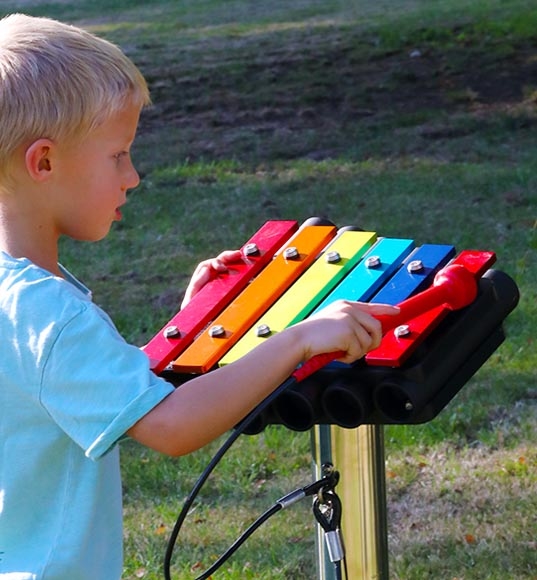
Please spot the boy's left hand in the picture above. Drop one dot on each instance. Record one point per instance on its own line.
(207, 270)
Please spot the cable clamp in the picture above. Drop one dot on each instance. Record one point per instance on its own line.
(334, 545)
(327, 511)
(326, 483)
(291, 498)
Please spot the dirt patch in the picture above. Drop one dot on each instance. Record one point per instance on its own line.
(292, 89)
(21, 4)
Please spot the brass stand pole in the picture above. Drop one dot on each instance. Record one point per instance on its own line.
(358, 454)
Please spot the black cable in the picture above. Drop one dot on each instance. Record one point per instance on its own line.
(308, 368)
(345, 569)
(326, 482)
(240, 541)
(239, 430)
(337, 569)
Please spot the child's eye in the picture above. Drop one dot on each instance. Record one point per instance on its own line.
(121, 155)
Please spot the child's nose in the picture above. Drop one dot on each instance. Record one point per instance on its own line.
(133, 179)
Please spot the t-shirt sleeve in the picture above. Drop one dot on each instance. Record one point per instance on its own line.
(95, 385)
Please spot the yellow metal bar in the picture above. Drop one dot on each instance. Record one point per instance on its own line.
(297, 255)
(308, 290)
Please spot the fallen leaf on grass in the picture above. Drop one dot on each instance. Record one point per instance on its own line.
(470, 539)
(159, 530)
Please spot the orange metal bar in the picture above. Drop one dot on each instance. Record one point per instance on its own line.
(304, 295)
(297, 255)
(181, 330)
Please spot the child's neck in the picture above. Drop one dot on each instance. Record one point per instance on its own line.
(21, 238)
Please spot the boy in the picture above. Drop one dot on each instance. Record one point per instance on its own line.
(69, 108)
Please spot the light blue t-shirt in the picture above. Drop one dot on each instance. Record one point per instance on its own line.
(70, 387)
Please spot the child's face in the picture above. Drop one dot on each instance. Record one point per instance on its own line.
(93, 176)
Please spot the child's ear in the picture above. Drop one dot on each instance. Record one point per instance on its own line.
(38, 158)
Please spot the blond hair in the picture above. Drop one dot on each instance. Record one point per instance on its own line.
(59, 82)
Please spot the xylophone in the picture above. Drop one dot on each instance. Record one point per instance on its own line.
(452, 310)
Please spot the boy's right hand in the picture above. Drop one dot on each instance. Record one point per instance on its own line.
(210, 404)
(347, 326)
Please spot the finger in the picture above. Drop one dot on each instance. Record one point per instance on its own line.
(218, 265)
(205, 271)
(360, 340)
(367, 337)
(228, 256)
(379, 309)
(201, 276)
(371, 325)
(225, 258)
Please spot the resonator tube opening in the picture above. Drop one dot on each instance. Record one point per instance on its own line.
(346, 404)
(298, 407)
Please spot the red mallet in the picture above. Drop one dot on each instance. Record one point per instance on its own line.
(454, 286)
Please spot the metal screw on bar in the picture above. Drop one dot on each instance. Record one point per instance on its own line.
(263, 330)
(415, 266)
(402, 331)
(290, 253)
(250, 249)
(217, 331)
(409, 406)
(372, 262)
(171, 332)
(333, 257)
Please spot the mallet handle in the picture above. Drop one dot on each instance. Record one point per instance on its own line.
(454, 286)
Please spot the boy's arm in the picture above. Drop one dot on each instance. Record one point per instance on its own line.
(209, 405)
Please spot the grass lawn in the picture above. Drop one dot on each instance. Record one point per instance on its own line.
(412, 118)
